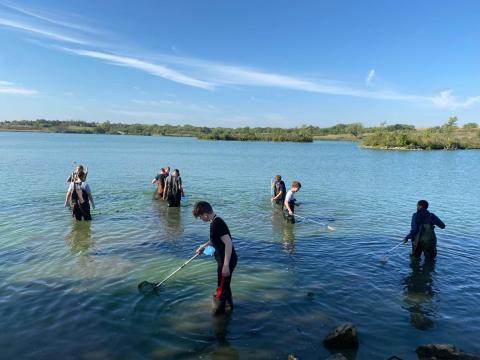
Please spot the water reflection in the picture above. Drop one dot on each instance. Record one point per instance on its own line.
(289, 238)
(419, 294)
(283, 230)
(80, 237)
(171, 219)
(220, 329)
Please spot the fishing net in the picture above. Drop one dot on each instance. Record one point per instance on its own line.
(147, 288)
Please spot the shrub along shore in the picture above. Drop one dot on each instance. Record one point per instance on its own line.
(399, 136)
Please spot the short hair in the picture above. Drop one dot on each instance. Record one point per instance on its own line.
(278, 177)
(423, 204)
(296, 184)
(176, 171)
(200, 208)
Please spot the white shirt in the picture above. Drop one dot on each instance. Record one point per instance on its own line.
(290, 196)
(84, 186)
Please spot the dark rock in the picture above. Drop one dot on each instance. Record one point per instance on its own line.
(343, 337)
(443, 352)
(337, 356)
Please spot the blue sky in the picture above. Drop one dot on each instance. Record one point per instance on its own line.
(241, 63)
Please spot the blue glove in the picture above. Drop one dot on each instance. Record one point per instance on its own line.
(209, 250)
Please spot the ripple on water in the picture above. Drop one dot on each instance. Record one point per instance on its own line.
(293, 284)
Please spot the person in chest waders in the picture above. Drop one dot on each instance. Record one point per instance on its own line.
(279, 190)
(422, 232)
(289, 203)
(173, 190)
(79, 196)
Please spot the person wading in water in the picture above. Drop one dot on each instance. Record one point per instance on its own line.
(422, 232)
(79, 195)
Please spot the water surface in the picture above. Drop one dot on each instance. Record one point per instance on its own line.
(68, 290)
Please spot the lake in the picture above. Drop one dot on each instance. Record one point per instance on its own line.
(69, 290)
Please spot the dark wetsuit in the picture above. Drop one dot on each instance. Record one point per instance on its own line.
(218, 228)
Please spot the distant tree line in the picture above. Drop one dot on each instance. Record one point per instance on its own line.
(385, 136)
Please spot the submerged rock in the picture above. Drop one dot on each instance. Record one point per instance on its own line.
(343, 337)
(443, 352)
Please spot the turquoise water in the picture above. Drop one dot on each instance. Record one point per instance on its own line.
(68, 290)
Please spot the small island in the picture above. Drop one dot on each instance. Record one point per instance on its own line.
(398, 137)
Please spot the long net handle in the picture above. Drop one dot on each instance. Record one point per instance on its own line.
(307, 219)
(180, 268)
(389, 251)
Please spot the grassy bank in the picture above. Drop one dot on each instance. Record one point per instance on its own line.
(448, 136)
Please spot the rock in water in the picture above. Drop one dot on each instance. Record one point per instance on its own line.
(443, 352)
(343, 337)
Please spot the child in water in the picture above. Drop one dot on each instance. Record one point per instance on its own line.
(289, 203)
(225, 255)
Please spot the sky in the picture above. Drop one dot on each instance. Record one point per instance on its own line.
(241, 63)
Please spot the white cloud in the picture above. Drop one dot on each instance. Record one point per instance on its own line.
(445, 99)
(200, 73)
(41, 32)
(149, 67)
(370, 77)
(7, 87)
(68, 23)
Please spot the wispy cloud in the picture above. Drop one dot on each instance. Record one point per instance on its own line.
(38, 14)
(149, 67)
(40, 31)
(446, 100)
(199, 73)
(370, 77)
(7, 87)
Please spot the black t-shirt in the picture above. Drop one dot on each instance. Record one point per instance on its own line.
(280, 186)
(218, 228)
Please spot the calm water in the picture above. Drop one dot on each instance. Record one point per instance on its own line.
(68, 290)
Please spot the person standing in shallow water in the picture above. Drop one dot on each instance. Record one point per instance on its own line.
(225, 255)
(173, 190)
(279, 190)
(159, 180)
(289, 202)
(79, 195)
(422, 232)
